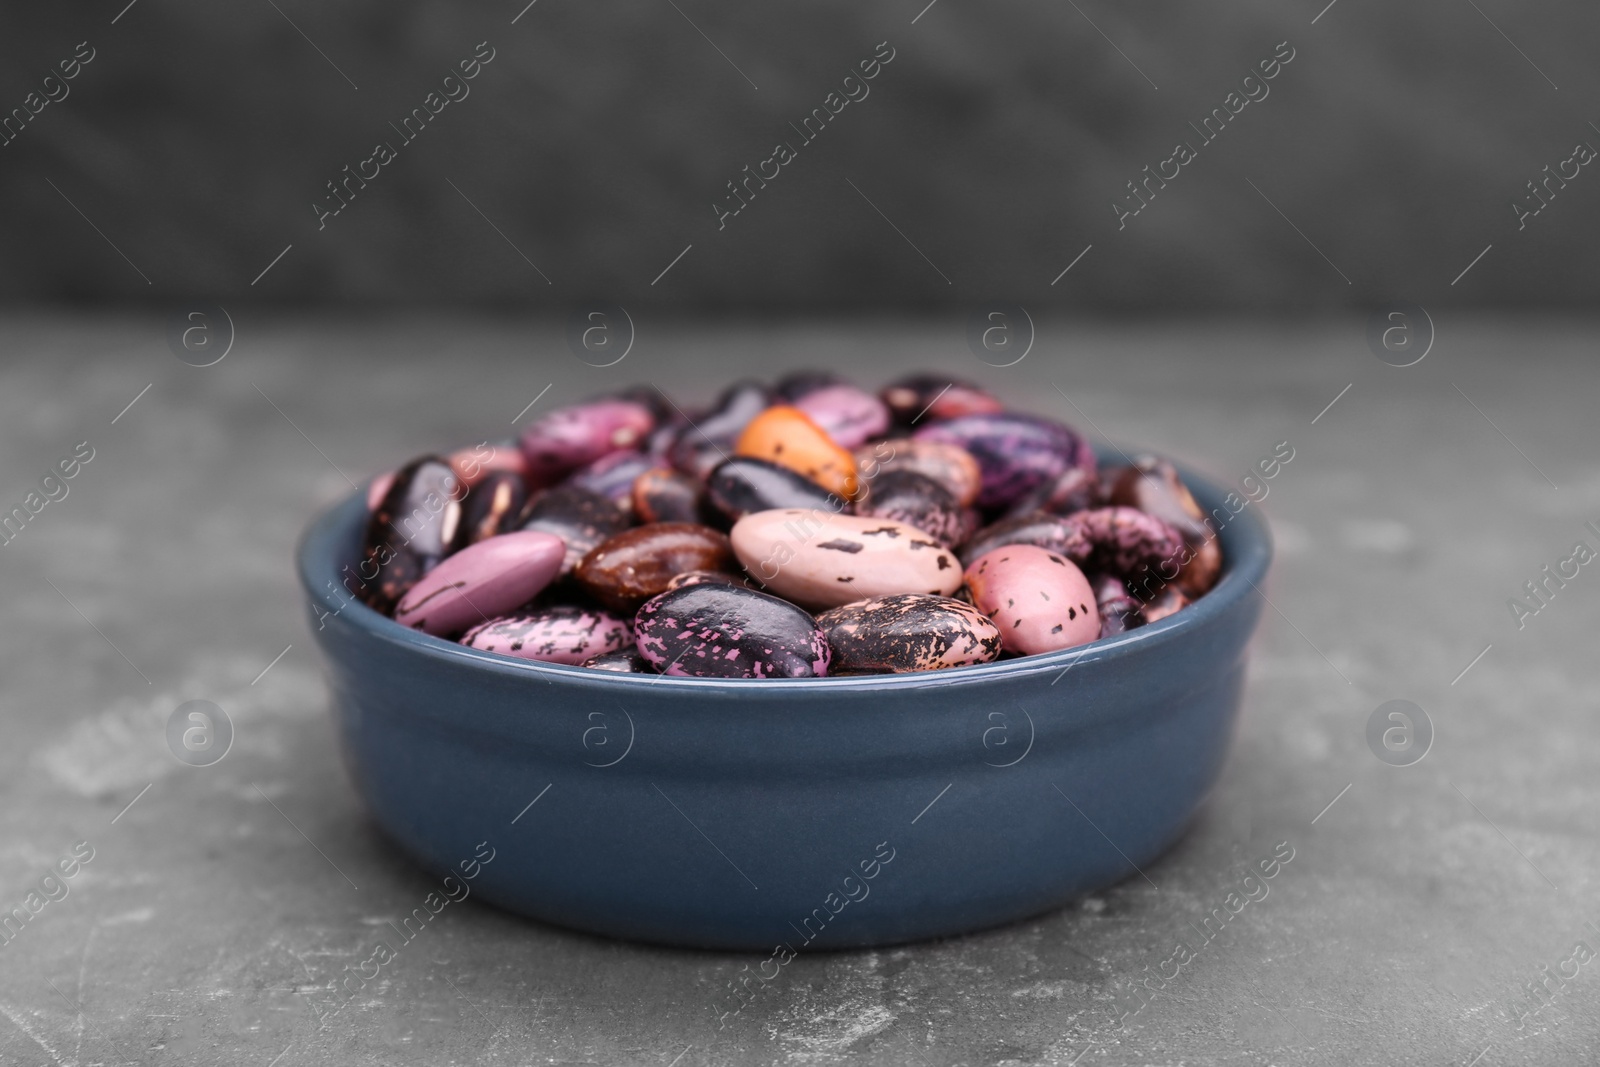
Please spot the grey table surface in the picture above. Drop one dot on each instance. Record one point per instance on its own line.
(213, 914)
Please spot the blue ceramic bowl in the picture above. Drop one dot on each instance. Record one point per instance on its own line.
(811, 813)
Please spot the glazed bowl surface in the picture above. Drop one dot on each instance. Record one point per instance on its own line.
(814, 813)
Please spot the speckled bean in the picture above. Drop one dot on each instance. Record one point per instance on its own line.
(910, 632)
(711, 630)
(560, 634)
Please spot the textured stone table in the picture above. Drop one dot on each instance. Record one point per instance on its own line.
(221, 902)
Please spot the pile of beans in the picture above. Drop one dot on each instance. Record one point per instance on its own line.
(799, 531)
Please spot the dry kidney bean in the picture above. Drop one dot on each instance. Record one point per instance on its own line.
(410, 530)
(1016, 453)
(493, 506)
(909, 632)
(565, 633)
(917, 500)
(789, 437)
(568, 438)
(744, 485)
(482, 580)
(1153, 485)
(850, 416)
(664, 495)
(580, 517)
(727, 631)
(624, 571)
(1040, 601)
(823, 561)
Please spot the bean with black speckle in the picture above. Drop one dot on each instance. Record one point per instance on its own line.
(560, 634)
(909, 632)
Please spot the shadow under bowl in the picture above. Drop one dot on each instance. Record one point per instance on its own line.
(819, 813)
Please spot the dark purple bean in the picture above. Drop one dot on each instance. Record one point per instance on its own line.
(494, 506)
(744, 485)
(1016, 453)
(412, 529)
(579, 517)
(726, 631)
(916, 500)
(665, 495)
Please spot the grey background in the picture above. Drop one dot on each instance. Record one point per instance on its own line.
(601, 134)
(207, 926)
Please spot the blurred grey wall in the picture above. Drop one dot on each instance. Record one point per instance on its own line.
(590, 151)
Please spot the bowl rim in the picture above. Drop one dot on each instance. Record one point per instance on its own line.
(1247, 553)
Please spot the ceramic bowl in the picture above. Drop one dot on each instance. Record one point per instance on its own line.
(808, 813)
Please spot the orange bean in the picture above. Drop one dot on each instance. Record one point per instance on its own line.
(786, 436)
